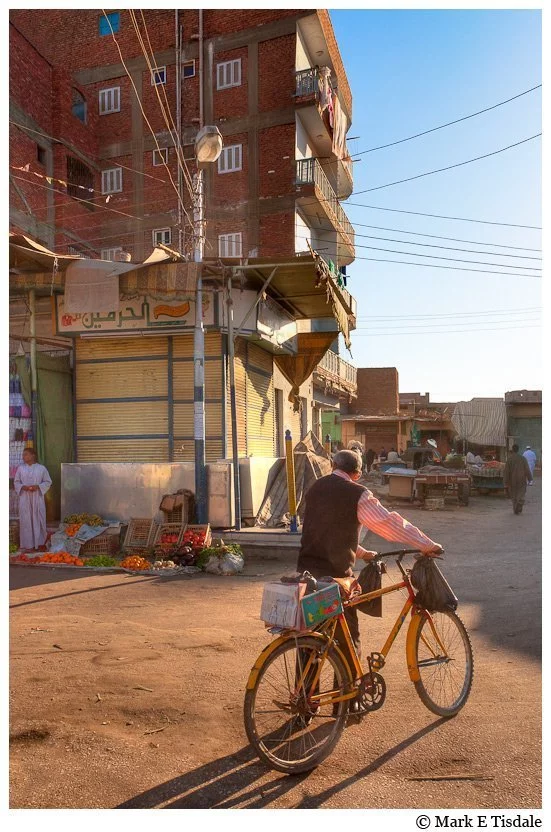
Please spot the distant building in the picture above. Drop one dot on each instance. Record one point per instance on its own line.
(524, 415)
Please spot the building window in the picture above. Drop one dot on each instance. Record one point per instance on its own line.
(80, 179)
(228, 74)
(230, 158)
(78, 108)
(162, 235)
(110, 253)
(188, 69)
(111, 181)
(41, 155)
(230, 245)
(160, 157)
(109, 100)
(108, 23)
(158, 76)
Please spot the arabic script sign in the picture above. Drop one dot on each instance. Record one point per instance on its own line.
(142, 313)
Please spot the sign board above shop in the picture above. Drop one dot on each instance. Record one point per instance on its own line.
(143, 313)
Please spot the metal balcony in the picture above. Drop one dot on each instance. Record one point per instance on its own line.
(338, 372)
(310, 172)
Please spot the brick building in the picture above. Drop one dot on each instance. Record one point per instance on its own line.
(103, 109)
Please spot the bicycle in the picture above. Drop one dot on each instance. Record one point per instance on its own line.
(308, 679)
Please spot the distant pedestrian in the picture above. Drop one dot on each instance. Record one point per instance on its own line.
(31, 483)
(530, 458)
(369, 459)
(382, 455)
(516, 476)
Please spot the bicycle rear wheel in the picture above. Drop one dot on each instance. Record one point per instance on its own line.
(289, 731)
(444, 661)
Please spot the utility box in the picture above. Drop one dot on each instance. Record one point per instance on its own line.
(221, 504)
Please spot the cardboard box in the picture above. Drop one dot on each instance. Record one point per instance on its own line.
(281, 605)
(325, 603)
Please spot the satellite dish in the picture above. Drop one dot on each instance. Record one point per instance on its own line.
(208, 144)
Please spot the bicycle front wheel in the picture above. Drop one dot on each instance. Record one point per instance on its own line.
(443, 662)
(286, 724)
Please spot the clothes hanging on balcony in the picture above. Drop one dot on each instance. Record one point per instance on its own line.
(324, 85)
(339, 129)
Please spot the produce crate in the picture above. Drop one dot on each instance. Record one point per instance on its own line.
(14, 532)
(167, 528)
(139, 533)
(102, 544)
(197, 529)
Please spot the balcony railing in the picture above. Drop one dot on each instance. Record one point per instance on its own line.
(310, 172)
(339, 369)
(306, 82)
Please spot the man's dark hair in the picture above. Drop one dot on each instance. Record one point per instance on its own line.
(348, 461)
(515, 449)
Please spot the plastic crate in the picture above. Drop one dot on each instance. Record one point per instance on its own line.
(164, 528)
(139, 533)
(103, 544)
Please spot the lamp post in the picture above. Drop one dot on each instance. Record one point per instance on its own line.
(208, 146)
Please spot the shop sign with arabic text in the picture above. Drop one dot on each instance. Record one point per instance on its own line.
(140, 313)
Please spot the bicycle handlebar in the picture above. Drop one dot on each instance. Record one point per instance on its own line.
(400, 553)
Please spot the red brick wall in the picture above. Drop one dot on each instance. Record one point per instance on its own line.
(276, 143)
(277, 234)
(377, 391)
(223, 21)
(276, 73)
(231, 102)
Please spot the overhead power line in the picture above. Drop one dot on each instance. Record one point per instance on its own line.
(443, 326)
(448, 167)
(521, 311)
(448, 124)
(439, 257)
(440, 237)
(448, 268)
(443, 217)
(444, 332)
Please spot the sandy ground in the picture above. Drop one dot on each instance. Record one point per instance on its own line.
(127, 691)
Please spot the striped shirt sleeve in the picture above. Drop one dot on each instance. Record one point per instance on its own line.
(390, 525)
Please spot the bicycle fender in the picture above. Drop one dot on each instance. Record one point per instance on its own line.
(411, 656)
(273, 645)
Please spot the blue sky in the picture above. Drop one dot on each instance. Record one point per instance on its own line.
(410, 71)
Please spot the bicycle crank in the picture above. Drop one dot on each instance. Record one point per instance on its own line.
(371, 692)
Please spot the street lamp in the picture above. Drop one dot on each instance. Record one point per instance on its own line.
(208, 146)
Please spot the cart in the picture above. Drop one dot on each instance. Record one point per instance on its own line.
(443, 484)
(487, 478)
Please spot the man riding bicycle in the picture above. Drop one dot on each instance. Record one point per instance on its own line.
(336, 509)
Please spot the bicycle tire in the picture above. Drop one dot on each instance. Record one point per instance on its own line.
(464, 684)
(309, 761)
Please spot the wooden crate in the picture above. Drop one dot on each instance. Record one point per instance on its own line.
(14, 532)
(103, 544)
(163, 528)
(139, 533)
(191, 527)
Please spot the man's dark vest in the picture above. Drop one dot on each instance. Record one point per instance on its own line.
(331, 529)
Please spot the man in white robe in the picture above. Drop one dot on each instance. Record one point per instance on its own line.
(31, 483)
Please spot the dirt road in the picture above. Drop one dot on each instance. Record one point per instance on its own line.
(127, 691)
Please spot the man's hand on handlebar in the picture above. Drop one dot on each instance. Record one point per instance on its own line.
(434, 553)
(364, 554)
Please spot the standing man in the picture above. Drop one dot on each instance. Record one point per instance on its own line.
(516, 476)
(336, 509)
(530, 458)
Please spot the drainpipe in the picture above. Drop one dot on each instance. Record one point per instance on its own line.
(34, 374)
(201, 91)
(233, 408)
(179, 127)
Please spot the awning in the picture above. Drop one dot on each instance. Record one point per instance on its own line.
(481, 422)
(311, 347)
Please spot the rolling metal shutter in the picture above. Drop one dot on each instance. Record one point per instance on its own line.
(182, 380)
(260, 402)
(122, 400)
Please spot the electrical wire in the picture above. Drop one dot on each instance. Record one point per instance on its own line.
(447, 268)
(145, 117)
(438, 257)
(521, 311)
(448, 167)
(436, 327)
(429, 245)
(448, 124)
(440, 237)
(445, 332)
(443, 217)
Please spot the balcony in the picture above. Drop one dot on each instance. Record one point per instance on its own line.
(315, 120)
(336, 373)
(314, 191)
